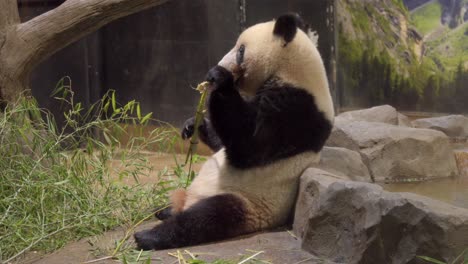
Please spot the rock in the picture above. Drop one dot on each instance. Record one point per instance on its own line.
(455, 126)
(404, 120)
(381, 114)
(309, 196)
(352, 222)
(339, 138)
(344, 163)
(397, 153)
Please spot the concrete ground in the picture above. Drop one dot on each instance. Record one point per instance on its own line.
(280, 247)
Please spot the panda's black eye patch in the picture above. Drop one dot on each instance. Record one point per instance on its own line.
(240, 54)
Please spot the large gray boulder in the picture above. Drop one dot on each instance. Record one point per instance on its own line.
(404, 120)
(394, 153)
(308, 199)
(345, 163)
(339, 138)
(381, 114)
(352, 222)
(455, 126)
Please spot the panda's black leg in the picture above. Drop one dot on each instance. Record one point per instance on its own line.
(211, 219)
(163, 213)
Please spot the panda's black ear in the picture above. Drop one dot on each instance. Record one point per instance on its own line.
(286, 26)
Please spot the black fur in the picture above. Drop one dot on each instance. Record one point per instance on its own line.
(163, 214)
(286, 26)
(206, 133)
(211, 219)
(279, 122)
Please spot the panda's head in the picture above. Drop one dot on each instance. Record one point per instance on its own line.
(279, 49)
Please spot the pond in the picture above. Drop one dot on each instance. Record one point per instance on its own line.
(450, 190)
(453, 191)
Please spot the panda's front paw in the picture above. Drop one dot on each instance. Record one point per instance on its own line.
(220, 78)
(188, 129)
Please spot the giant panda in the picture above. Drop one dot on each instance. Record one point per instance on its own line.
(270, 114)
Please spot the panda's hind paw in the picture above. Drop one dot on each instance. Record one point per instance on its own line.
(148, 240)
(145, 240)
(163, 213)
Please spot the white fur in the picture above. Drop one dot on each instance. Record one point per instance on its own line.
(299, 63)
(313, 36)
(269, 191)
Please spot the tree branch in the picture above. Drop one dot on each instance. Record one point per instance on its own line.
(46, 34)
(8, 13)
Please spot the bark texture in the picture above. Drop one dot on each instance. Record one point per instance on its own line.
(24, 45)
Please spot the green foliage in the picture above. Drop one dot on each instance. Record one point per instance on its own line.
(460, 259)
(187, 257)
(401, 6)
(369, 77)
(452, 47)
(57, 183)
(360, 18)
(431, 260)
(375, 68)
(382, 21)
(427, 18)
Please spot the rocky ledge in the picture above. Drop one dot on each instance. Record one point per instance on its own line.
(395, 149)
(354, 222)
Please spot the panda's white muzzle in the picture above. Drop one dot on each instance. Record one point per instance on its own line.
(229, 62)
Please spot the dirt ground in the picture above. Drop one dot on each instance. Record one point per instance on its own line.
(275, 247)
(159, 161)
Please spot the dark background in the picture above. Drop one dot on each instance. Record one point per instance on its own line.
(155, 56)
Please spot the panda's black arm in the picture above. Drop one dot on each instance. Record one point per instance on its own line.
(281, 121)
(232, 118)
(209, 137)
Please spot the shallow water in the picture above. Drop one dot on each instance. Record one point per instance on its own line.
(450, 190)
(453, 191)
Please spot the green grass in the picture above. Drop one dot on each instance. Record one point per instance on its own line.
(187, 257)
(460, 259)
(427, 18)
(57, 185)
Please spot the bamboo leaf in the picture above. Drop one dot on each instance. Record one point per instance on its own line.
(146, 118)
(106, 106)
(114, 102)
(138, 111)
(431, 260)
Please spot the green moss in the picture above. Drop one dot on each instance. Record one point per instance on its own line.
(427, 18)
(451, 47)
(383, 22)
(360, 18)
(401, 6)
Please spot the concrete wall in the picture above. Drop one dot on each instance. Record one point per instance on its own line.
(156, 55)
